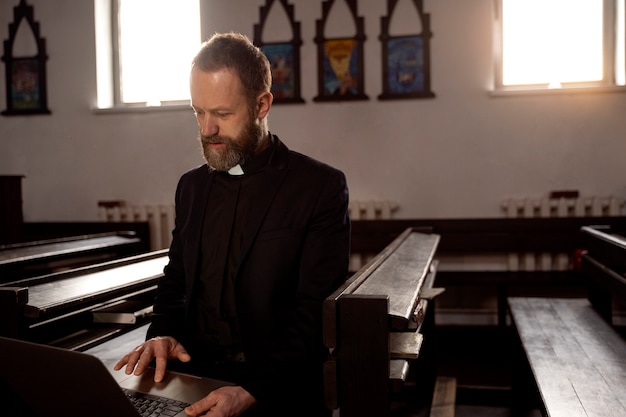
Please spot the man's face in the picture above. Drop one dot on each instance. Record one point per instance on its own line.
(227, 132)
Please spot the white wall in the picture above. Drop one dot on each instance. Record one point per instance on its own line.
(458, 155)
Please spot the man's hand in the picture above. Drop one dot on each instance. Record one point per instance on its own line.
(159, 348)
(229, 401)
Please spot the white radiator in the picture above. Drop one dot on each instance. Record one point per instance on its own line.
(160, 218)
(563, 207)
(556, 207)
(372, 210)
(369, 210)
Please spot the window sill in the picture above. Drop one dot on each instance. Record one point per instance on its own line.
(140, 109)
(530, 91)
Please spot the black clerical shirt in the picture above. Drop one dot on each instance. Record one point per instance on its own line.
(230, 201)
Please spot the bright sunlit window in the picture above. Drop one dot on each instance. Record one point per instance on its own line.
(558, 43)
(144, 51)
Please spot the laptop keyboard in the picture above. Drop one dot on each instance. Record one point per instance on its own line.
(154, 406)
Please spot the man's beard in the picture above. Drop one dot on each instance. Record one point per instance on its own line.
(236, 151)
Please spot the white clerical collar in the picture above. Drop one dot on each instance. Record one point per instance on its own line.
(236, 170)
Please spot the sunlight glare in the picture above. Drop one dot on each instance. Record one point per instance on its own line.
(158, 39)
(551, 41)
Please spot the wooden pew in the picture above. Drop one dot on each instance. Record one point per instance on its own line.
(28, 259)
(604, 265)
(577, 360)
(57, 309)
(468, 241)
(576, 356)
(372, 325)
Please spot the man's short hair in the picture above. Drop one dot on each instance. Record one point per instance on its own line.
(235, 52)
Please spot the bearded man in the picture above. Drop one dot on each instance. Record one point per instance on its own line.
(261, 238)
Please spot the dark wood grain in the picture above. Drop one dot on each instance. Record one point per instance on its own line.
(402, 275)
(371, 325)
(48, 296)
(578, 360)
(37, 252)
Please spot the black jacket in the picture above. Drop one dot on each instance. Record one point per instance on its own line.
(295, 254)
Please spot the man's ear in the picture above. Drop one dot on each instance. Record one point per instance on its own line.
(264, 103)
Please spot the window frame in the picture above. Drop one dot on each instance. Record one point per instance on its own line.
(610, 56)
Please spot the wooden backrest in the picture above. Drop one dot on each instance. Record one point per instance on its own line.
(397, 272)
(360, 317)
(28, 259)
(483, 234)
(604, 265)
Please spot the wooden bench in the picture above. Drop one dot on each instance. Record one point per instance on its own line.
(496, 256)
(604, 266)
(29, 259)
(578, 361)
(57, 309)
(576, 356)
(373, 325)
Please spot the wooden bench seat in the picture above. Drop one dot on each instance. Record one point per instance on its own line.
(111, 351)
(577, 359)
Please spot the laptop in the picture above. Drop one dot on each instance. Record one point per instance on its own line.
(39, 380)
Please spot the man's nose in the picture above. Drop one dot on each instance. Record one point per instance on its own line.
(208, 126)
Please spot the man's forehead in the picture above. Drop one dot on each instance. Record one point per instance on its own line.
(221, 86)
(222, 75)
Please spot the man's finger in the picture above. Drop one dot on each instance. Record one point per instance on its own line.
(159, 371)
(131, 360)
(120, 364)
(181, 353)
(142, 361)
(203, 405)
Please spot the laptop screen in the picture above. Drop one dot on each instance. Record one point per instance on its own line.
(42, 380)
